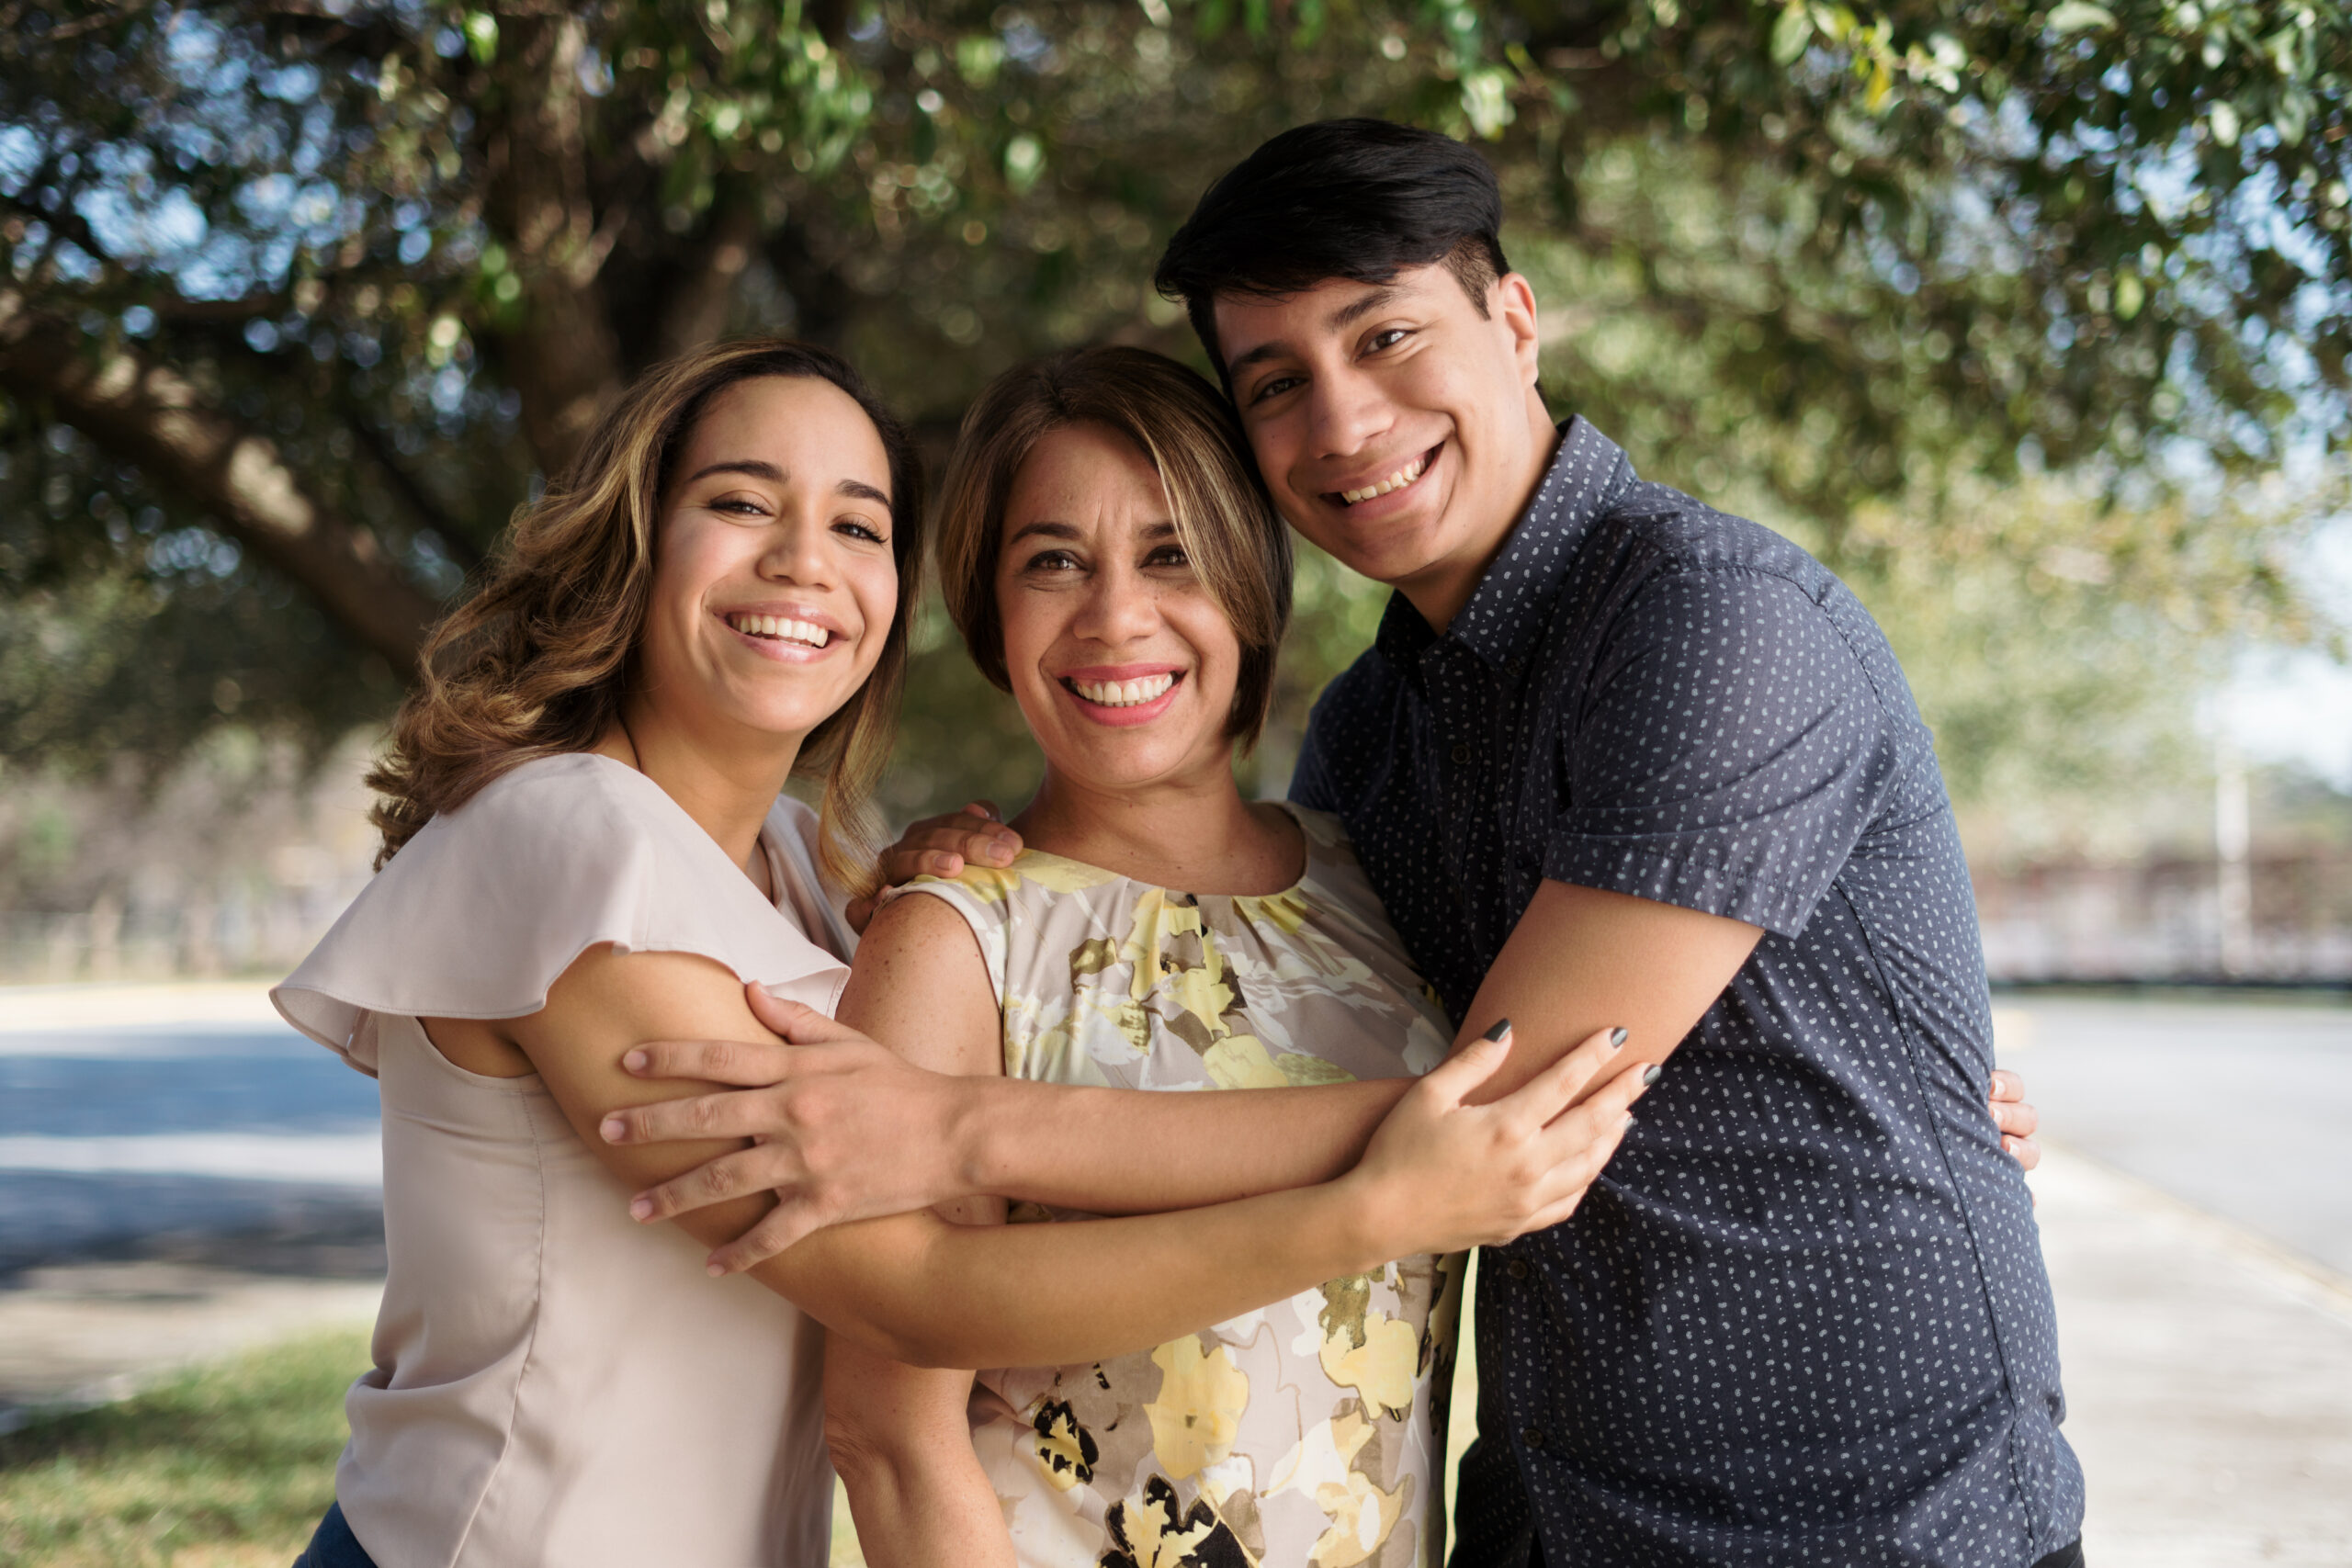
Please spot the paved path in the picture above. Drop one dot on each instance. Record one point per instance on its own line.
(2208, 1380)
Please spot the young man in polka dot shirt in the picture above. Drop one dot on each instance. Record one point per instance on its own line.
(1615, 759)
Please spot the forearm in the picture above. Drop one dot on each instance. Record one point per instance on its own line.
(1114, 1151)
(904, 1452)
(938, 1295)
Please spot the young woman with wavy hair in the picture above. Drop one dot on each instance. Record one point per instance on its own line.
(586, 850)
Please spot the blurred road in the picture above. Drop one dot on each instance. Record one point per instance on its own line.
(2241, 1108)
(119, 1135)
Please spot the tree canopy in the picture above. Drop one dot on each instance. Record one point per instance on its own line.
(299, 298)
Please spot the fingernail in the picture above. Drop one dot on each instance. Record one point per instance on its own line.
(714, 1270)
(634, 1061)
(1629, 1120)
(640, 1208)
(611, 1128)
(1000, 854)
(1651, 1074)
(1617, 1038)
(1501, 1027)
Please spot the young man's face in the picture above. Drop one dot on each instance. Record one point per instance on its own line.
(1402, 396)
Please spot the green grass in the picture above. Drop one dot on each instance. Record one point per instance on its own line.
(225, 1466)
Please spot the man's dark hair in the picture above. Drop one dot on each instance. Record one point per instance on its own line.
(1361, 199)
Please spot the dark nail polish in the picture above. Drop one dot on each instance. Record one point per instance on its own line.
(1501, 1027)
(1617, 1038)
(1651, 1074)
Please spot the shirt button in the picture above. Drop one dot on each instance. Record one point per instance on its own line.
(1462, 751)
(1533, 1436)
(1515, 1268)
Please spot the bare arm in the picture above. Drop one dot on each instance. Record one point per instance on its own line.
(898, 1434)
(1579, 963)
(921, 1290)
(1580, 960)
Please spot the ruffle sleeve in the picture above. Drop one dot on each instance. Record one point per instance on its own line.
(486, 906)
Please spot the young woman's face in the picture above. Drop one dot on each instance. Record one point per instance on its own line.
(1122, 664)
(773, 585)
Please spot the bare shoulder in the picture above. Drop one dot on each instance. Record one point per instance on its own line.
(921, 985)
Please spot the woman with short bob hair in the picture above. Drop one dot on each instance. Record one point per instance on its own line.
(1113, 564)
(1238, 545)
(586, 850)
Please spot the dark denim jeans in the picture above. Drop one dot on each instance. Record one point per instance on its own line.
(334, 1545)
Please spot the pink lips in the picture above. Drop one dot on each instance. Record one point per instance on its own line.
(1123, 717)
(781, 651)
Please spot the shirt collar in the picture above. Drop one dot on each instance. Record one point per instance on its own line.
(1586, 476)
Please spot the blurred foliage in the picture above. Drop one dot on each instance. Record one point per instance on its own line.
(1939, 288)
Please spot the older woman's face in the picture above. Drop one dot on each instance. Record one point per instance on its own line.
(1122, 664)
(773, 585)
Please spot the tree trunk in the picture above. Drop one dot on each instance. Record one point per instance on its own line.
(153, 417)
(565, 359)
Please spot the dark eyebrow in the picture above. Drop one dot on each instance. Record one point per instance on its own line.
(1064, 531)
(1050, 530)
(756, 469)
(1354, 310)
(774, 474)
(1360, 307)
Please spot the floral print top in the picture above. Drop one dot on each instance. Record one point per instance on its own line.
(1308, 1434)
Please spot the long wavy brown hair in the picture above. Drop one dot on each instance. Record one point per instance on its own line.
(536, 663)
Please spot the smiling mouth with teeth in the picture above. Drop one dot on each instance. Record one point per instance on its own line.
(1393, 483)
(1123, 694)
(779, 629)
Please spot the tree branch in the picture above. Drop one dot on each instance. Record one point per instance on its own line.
(155, 418)
(457, 539)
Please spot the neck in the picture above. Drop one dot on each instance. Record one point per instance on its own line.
(1193, 832)
(726, 782)
(1441, 590)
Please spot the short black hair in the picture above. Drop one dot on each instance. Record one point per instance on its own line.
(1361, 199)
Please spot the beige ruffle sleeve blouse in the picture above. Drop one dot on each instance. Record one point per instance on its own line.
(554, 1384)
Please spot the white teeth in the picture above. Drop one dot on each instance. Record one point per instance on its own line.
(1396, 480)
(781, 627)
(1124, 693)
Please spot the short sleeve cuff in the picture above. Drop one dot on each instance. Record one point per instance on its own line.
(1708, 877)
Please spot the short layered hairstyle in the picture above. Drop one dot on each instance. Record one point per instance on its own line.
(537, 661)
(1237, 541)
(1360, 200)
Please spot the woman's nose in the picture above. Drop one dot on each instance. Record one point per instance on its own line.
(798, 551)
(1119, 608)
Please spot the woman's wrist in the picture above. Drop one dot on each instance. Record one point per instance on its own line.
(1369, 1223)
(991, 1141)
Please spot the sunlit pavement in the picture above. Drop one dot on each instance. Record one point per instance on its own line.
(2195, 1206)
(2208, 1375)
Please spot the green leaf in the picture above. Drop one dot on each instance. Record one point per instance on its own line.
(2079, 16)
(1790, 34)
(481, 36)
(2130, 295)
(1024, 160)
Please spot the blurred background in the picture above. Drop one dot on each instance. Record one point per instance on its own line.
(2031, 319)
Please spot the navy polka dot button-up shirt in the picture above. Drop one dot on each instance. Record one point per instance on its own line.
(1803, 1318)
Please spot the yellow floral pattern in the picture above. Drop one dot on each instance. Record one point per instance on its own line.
(1304, 1434)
